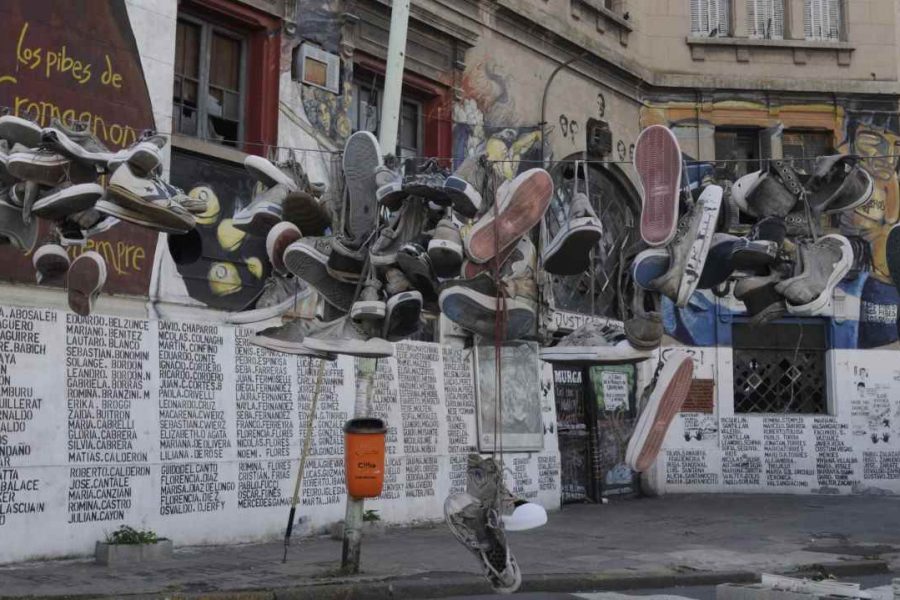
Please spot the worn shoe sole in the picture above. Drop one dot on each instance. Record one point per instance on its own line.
(17, 130)
(742, 188)
(362, 156)
(465, 198)
(391, 195)
(63, 143)
(152, 212)
(170, 223)
(666, 400)
(368, 310)
(278, 239)
(446, 257)
(657, 159)
(570, 251)
(402, 316)
(371, 348)
(266, 173)
(85, 279)
(48, 170)
(306, 263)
(51, 264)
(711, 202)
(820, 303)
(269, 312)
(438, 195)
(477, 312)
(286, 347)
(529, 198)
(68, 201)
(650, 264)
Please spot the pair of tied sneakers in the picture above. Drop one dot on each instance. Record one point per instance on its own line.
(286, 195)
(479, 518)
(482, 305)
(149, 201)
(431, 183)
(569, 252)
(399, 314)
(604, 342)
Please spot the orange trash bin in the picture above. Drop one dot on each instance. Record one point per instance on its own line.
(364, 457)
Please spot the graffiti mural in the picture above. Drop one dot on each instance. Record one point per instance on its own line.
(868, 298)
(92, 74)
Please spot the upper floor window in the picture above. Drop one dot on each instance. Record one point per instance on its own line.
(822, 19)
(366, 115)
(208, 99)
(711, 18)
(765, 19)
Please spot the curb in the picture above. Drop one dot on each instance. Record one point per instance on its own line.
(449, 584)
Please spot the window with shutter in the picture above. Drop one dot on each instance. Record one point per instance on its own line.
(711, 18)
(822, 19)
(765, 19)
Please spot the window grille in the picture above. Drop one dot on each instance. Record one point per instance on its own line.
(765, 19)
(711, 18)
(822, 20)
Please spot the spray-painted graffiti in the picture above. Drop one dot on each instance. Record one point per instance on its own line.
(872, 134)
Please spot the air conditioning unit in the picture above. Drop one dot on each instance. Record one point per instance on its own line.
(318, 68)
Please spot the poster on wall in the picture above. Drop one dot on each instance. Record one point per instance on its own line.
(91, 74)
(521, 428)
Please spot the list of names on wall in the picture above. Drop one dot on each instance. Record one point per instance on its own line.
(689, 467)
(108, 378)
(881, 465)
(785, 451)
(192, 418)
(385, 406)
(459, 391)
(264, 402)
(835, 460)
(323, 479)
(741, 452)
(419, 403)
(22, 346)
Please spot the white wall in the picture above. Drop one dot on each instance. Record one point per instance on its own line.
(186, 429)
(855, 449)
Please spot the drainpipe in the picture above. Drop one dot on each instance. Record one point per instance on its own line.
(393, 78)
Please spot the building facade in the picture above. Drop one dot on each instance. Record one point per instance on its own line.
(156, 413)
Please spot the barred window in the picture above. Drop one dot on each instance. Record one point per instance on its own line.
(822, 20)
(765, 19)
(710, 18)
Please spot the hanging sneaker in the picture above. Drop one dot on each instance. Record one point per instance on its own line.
(690, 248)
(445, 248)
(742, 189)
(78, 143)
(473, 304)
(774, 193)
(85, 279)
(307, 259)
(347, 259)
(51, 263)
(520, 206)
(389, 184)
(648, 265)
(144, 201)
(763, 303)
(307, 212)
(403, 308)
(13, 227)
(515, 261)
(41, 166)
(658, 162)
(838, 183)
(269, 174)
(67, 199)
(16, 130)
(821, 265)
(569, 253)
(346, 336)
(288, 338)
(464, 186)
(719, 262)
(405, 226)
(426, 181)
(279, 295)
(669, 390)
(144, 156)
(361, 161)
(644, 330)
(278, 239)
(415, 263)
(263, 213)
(595, 342)
(760, 248)
(370, 304)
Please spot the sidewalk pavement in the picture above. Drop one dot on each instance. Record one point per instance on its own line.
(629, 543)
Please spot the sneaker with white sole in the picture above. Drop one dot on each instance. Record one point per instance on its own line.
(569, 252)
(669, 391)
(263, 213)
(41, 166)
(465, 184)
(658, 162)
(78, 143)
(67, 199)
(13, 227)
(346, 336)
(370, 306)
(307, 259)
(17, 130)
(445, 248)
(820, 267)
(85, 280)
(405, 225)
(146, 201)
(601, 342)
(288, 338)
(278, 239)
(403, 308)
(279, 295)
(473, 304)
(270, 174)
(144, 156)
(51, 263)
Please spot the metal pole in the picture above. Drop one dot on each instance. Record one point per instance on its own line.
(393, 78)
(353, 514)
